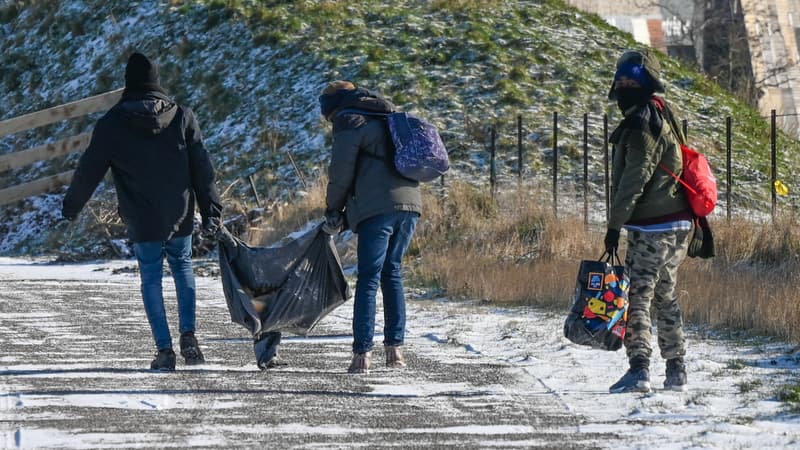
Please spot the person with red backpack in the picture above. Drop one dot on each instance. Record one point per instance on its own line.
(651, 205)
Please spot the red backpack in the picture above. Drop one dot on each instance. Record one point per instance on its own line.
(699, 181)
(697, 177)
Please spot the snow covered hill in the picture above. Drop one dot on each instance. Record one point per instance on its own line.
(253, 70)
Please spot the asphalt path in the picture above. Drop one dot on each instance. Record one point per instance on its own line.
(75, 350)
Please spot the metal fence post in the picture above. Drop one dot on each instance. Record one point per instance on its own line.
(728, 164)
(685, 128)
(607, 191)
(773, 137)
(492, 163)
(586, 170)
(555, 162)
(519, 148)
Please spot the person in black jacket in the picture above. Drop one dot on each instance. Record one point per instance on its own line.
(160, 167)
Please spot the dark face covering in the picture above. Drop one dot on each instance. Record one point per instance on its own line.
(629, 97)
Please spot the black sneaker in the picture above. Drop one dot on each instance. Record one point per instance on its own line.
(190, 349)
(676, 375)
(634, 380)
(165, 360)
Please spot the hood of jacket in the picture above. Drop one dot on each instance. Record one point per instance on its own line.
(365, 100)
(148, 112)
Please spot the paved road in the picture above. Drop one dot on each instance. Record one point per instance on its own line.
(74, 348)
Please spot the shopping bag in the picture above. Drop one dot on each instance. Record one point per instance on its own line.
(599, 314)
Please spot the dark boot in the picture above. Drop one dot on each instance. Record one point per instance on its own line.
(676, 375)
(190, 349)
(634, 380)
(165, 360)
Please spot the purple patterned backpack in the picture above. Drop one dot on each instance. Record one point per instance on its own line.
(419, 151)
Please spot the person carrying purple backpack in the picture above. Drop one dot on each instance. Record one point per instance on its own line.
(366, 194)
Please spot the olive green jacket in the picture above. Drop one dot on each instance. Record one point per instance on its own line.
(641, 190)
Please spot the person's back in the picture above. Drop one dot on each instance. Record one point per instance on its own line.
(155, 152)
(382, 207)
(362, 179)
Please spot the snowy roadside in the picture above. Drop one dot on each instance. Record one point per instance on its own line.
(74, 345)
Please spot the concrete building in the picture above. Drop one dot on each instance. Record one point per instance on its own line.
(664, 24)
(748, 46)
(772, 29)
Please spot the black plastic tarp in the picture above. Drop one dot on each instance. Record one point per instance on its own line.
(285, 288)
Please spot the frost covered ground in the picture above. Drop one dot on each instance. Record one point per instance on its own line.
(74, 348)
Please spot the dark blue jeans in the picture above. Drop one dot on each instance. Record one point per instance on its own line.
(382, 242)
(150, 256)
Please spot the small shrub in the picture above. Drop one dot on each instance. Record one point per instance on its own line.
(791, 396)
(736, 364)
(749, 386)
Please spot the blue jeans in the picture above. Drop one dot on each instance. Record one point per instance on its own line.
(382, 242)
(150, 256)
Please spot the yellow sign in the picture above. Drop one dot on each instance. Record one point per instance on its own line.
(780, 188)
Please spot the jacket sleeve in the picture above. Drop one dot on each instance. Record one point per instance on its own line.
(201, 169)
(92, 166)
(342, 169)
(641, 157)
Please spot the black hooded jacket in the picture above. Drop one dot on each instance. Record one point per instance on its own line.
(155, 151)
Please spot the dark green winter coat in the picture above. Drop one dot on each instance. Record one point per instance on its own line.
(362, 180)
(641, 190)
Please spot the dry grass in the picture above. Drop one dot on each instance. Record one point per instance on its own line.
(290, 216)
(513, 250)
(752, 283)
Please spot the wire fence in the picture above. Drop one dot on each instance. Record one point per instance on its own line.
(579, 162)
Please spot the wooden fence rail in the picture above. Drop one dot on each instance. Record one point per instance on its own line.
(63, 147)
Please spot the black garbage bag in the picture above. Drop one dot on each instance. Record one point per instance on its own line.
(287, 288)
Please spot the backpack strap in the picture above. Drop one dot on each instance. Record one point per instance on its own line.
(680, 180)
(673, 125)
(361, 112)
(389, 159)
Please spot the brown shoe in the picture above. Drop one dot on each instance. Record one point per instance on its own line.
(360, 363)
(394, 357)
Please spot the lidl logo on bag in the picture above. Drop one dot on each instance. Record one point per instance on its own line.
(595, 281)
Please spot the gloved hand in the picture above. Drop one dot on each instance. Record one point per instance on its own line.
(333, 222)
(612, 241)
(211, 228)
(225, 238)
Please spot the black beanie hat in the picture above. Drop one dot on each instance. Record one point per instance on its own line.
(141, 74)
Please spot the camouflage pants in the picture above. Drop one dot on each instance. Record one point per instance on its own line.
(653, 260)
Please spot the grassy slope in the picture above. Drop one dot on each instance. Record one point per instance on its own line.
(252, 71)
